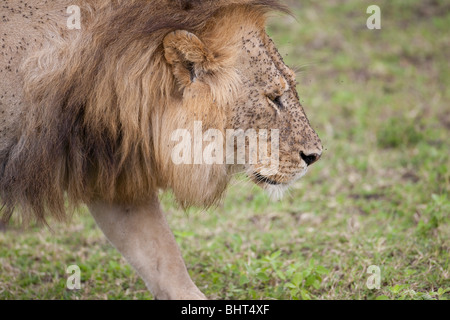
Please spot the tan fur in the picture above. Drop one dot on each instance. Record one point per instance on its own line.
(144, 238)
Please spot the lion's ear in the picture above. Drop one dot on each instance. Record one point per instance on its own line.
(188, 56)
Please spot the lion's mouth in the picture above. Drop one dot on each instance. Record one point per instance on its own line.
(262, 179)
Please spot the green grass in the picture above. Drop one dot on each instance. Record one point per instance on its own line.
(379, 100)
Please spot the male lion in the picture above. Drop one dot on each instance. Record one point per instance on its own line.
(87, 115)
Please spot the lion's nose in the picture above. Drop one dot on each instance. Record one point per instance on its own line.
(309, 158)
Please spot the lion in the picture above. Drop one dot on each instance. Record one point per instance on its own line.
(87, 115)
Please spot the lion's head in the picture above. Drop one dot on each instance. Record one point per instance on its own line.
(229, 75)
(103, 104)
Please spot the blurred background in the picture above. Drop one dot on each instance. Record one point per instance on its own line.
(379, 100)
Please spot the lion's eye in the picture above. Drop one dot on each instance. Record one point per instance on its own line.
(277, 101)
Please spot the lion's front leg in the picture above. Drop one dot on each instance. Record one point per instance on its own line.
(144, 238)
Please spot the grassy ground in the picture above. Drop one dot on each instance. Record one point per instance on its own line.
(379, 196)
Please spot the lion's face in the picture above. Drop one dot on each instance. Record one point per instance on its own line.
(241, 86)
(268, 100)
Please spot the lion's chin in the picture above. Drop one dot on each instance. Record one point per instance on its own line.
(276, 192)
(275, 189)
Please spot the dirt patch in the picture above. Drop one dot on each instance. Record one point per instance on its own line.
(372, 196)
(445, 120)
(410, 176)
(431, 8)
